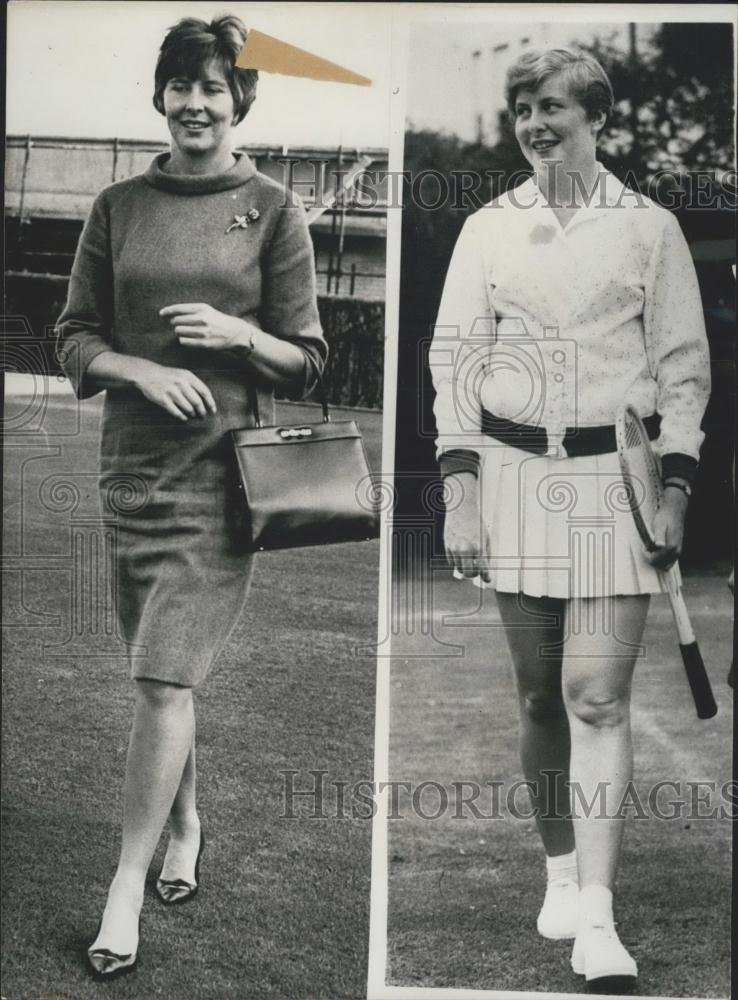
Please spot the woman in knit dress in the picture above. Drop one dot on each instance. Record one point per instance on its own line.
(192, 284)
(565, 299)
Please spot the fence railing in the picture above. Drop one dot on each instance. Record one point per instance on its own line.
(339, 279)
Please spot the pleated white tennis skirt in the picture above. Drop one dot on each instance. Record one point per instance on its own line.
(561, 527)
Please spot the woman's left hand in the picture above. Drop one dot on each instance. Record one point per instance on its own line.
(199, 325)
(668, 529)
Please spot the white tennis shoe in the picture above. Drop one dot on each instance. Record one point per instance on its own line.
(560, 911)
(598, 953)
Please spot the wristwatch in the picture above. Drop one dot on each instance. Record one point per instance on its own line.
(678, 485)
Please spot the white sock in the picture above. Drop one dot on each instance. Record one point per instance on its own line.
(562, 868)
(595, 904)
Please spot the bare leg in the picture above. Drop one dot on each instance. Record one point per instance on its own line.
(597, 675)
(544, 729)
(184, 807)
(184, 828)
(161, 739)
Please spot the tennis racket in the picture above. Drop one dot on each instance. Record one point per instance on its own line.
(642, 477)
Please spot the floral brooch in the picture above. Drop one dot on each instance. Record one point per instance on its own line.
(242, 221)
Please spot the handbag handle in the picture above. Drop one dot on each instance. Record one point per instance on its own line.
(254, 397)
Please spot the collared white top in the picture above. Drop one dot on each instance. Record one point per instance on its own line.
(560, 327)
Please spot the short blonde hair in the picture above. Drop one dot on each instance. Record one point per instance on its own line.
(587, 80)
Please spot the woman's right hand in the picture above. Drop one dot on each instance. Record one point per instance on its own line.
(465, 537)
(178, 391)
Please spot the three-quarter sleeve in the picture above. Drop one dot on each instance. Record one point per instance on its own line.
(289, 296)
(462, 337)
(84, 328)
(677, 349)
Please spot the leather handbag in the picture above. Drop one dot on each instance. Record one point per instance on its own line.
(305, 484)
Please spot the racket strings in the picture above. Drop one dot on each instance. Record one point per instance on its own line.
(640, 472)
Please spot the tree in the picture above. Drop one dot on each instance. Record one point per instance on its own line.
(674, 100)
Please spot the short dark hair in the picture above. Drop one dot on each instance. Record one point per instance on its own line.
(191, 43)
(586, 78)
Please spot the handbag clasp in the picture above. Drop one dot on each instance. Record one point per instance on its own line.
(293, 432)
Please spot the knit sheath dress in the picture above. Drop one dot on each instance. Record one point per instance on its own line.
(181, 571)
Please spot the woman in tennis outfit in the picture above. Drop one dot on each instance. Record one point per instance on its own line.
(193, 285)
(565, 299)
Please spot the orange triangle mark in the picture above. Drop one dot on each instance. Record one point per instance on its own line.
(263, 52)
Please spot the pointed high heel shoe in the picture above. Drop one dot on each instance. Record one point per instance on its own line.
(187, 889)
(115, 965)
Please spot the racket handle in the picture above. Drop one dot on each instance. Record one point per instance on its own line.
(698, 681)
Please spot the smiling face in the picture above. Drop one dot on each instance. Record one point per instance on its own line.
(200, 113)
(552, 126)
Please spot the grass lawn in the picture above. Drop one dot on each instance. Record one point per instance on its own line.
(284, 903)
(464, 892)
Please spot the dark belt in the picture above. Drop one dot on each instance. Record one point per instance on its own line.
(578, 441)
